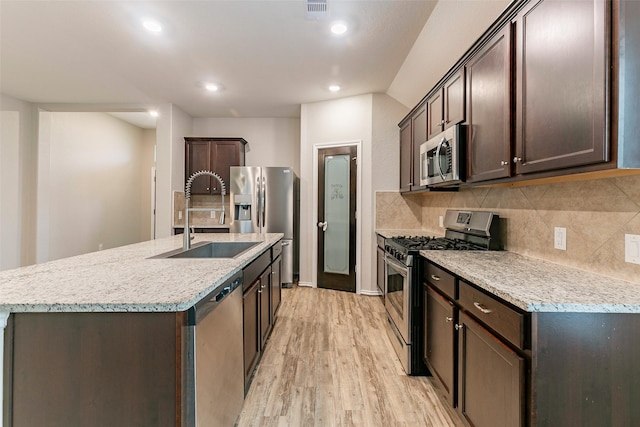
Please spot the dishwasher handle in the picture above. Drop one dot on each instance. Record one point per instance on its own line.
(207, 304)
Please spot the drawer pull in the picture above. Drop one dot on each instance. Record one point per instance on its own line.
(436, 278)
(482, 308)
(449, 319)
(459, 326)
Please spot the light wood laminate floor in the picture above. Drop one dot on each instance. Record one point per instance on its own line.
(329, 363)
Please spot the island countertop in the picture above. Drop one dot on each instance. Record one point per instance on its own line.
(125, 279)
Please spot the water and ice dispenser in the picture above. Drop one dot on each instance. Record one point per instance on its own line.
(242, 207)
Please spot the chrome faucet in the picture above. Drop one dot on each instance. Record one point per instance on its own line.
(188, 208)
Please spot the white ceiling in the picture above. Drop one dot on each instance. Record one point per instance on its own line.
(267, 55)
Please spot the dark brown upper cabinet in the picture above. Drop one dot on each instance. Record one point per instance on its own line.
(561, 85)
(216, 155)
(488, 109)
(413, 132)
(406, 156)
(446, 105)
(419, 135)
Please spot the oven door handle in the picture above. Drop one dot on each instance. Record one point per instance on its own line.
(437, 159)
(392, 261)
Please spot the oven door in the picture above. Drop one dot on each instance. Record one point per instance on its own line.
(397, 299)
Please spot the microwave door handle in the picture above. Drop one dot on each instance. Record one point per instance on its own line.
(437, 159)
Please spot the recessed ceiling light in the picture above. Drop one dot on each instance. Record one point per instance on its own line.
(152, 26)
(153, 113)
(339, 28)
(334, 88)
(211, 87)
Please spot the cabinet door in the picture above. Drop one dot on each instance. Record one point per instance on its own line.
(406, 157)
(251, 324)
(265, 311)
(276, 287)
(419, 125)
(435, 107)
(439, 343)
(561, 89)
(454, 99)
(491, 378)
(488, 110)
(198, 157)
(225, 155)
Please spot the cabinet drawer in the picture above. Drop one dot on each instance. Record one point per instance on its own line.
(441, 280)
(493, 313)
(276, 250)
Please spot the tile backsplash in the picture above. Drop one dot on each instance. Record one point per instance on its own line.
(199, 219)
(596, 213)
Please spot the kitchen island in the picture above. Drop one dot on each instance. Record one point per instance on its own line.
(101, 338)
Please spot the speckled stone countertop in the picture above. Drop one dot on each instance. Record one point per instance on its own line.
(540, 286)
(124, 279)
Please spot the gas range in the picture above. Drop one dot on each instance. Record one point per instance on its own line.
(465, 231)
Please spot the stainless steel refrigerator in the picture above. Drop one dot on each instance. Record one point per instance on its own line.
(267, 200)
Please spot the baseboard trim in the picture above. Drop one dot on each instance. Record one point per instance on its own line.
(306, 284)
(368, 292)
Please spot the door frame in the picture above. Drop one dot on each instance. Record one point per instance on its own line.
(314, 241)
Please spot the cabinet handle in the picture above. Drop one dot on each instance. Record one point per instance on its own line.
(482, 308)
(517, 159)
(263, 286)
(259, 291)
(436, 278)
(459, 326)
(449, 319)
(504, 163)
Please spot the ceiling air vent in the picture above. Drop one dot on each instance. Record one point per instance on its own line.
(316, 9)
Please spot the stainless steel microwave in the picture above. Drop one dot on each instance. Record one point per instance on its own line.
(442, 158)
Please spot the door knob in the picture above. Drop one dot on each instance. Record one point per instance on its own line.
(323, 225)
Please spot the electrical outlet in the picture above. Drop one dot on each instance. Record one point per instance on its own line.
(213, 214)
(179, 214)
(560, 238)
(632, 248)
(441, 221)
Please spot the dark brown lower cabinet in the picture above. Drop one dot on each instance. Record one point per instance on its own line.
(264, 294)
(440, 345)
(276, 287)
(491, 378)
(251, 324)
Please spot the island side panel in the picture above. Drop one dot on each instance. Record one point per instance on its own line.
(585, 369)
(97, 369)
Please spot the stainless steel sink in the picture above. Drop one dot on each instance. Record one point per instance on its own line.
(211, 250)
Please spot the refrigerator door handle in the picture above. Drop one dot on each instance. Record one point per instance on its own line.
(264, 203)
(258, 202)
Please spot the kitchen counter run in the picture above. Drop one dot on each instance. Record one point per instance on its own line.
(124, 279)
(540, 286)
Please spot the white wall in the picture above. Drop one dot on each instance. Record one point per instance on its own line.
(172, 126)
(271, 141)
(91, 181)
(17, 183)
(342, 120)
(452, 27)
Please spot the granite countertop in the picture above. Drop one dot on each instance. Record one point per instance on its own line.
(124, 279)
(540, 286)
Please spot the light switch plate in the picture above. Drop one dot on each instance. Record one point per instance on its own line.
(441, 221)
(179, 214)
(213, 214)
(560, 238)
(632, 248)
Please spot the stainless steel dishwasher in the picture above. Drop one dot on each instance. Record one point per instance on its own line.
(213, 365)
